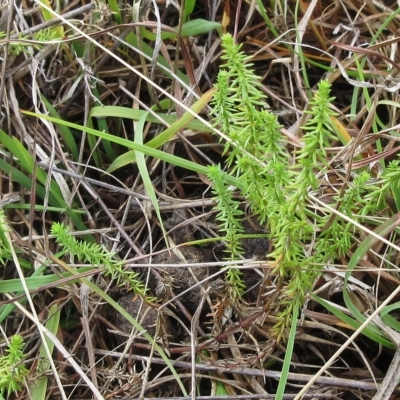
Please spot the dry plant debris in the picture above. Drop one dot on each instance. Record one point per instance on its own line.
(121, 69)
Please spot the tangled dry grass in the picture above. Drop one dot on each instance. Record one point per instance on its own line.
(50, 67)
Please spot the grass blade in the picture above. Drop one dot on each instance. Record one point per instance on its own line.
(144, 173)
(180, 162)
(361, 250)
(280, 393)
(170, 132)
(40, 388)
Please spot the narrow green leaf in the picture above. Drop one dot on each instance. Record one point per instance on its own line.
(125, 112)
(361, 250)
(388, 319)
(114, 7)
(190, 28)
(35, 282)
(20, 178)
(40, 388)
(25, 159)
(197, 107)
(180, 162)
(17, 149)
(280, 393)
(144, 173)
(264, 14)
(378, 338)
(126, 158)
(220, 389)
(66, 133)
(163, 137)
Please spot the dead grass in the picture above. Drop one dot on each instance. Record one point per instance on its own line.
(240, 354)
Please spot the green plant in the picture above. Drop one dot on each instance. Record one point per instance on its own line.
(12, 368)
(279, 186)
(274, 182)
(97, 255)
(24, 45)
(229, 215)
(19, 163)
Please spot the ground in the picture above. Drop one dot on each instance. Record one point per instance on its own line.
(82, 93)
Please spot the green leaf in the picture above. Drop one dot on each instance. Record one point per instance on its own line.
(40, 388)
(382, 230)
(66, 133)
(388, 319)
(169, 158)
(190, 28)
(34, 282)
(114, 7)
(378, 338)
(280, 393)
(144, 173)
(264, 14)
(17, 149)
(125, 112)
(163, 137)
(57, 31)
(26, 160)
(189, 7)
(22, 179)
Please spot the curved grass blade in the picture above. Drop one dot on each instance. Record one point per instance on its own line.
(170, 132)
(189, 7)
(129, 113)
(144, 173)
(388, 319)
(264, 14)
(25, 159)
(361, 250)
(169, 158)
(114, 7)
(378, 338)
